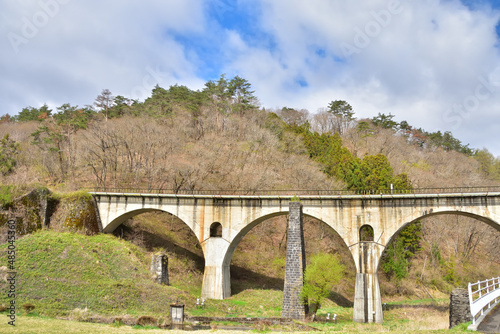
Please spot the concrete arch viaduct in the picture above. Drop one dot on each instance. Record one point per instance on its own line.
(387, 214)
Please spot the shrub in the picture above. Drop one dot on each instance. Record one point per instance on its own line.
(324, 271)
(28, 307)
(146, 320)
(118, 322)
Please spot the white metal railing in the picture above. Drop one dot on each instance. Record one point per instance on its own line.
(482, 296)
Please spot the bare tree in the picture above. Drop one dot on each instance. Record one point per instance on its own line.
(293, 116)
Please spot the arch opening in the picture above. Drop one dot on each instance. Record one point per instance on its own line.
(216, 230)
(159, 231)
(454, 248)
(366, 233)
(259, 254)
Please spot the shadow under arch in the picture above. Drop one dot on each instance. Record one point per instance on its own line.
(115, 223)
(490, 222)
(154, 240)
(216, 230)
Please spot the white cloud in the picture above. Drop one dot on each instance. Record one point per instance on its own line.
(83, 47)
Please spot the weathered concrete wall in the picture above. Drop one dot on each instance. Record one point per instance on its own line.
(459, 307)
(293, 305)
(216, 277)
(367, 301)
(386, 214)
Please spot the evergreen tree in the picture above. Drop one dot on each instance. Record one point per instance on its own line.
(343, 115)
(104, 102)
(8, 155)
(396, 258)
(33, 114)
(385, 121)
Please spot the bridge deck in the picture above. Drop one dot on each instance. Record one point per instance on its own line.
(491, 324)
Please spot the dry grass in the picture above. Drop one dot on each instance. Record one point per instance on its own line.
(26, 325)
(415, 319)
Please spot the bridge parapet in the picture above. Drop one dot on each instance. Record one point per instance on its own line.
(300, 192)
(483, 296)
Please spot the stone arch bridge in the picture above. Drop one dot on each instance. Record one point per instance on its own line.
(221, 221)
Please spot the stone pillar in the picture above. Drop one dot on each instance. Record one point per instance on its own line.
(159, 268)
(367, 301)
(293, 305)
(216, 277)
(459, 307)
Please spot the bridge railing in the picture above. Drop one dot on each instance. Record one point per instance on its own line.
(298, 192)
(482, 296)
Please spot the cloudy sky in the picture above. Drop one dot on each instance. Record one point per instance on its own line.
(433, 63)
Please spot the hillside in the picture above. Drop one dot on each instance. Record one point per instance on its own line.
(218, 138)
(64, 274)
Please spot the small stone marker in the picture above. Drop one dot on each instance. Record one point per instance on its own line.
(177, 315)
(159, 268)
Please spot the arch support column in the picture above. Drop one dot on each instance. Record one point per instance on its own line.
(216, 277)
(367, 301)
(293, 305)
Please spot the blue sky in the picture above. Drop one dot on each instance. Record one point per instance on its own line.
(433, 63)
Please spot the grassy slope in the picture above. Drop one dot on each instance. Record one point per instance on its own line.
(61, 272)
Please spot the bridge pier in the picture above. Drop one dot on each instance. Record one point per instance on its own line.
(293, 305)
(216, 277)
(367, 301)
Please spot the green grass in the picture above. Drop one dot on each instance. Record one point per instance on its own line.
(40, 325)
(10, 192)
(249, 303)
(427, 301)
(163, 232)
(71, 196)
(6, 195)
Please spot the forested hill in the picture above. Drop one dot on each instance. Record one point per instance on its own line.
(219, 138)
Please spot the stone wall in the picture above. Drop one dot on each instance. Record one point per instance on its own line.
(293, 305)
(76, 213)
(40, 208)
(459, 307)
(31, 211)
